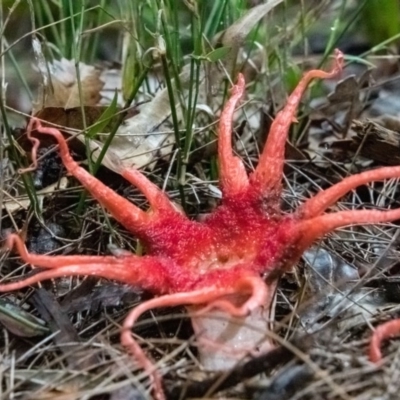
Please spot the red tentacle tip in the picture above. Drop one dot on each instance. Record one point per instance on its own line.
(238, 88)
(10, 240)
(381, 333)
(339, 62)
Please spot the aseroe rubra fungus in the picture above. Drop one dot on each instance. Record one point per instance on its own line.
(216, 265)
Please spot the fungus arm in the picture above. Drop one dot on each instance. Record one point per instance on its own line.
(157, 198)
(316, 227)
(323, 200)
(268, 173)
(233, 176)
(140, 271)
(51, 261)
(381, 333)
(130, 216)
(209, 296)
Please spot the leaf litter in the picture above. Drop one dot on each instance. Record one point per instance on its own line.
(335, 288)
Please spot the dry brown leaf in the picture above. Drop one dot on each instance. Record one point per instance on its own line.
(61, 89)
(376, 142)
(235, 35)
(71, 118)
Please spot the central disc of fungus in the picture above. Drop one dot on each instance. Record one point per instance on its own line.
(215, 267)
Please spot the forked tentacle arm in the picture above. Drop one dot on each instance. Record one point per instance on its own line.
(50, 261)
(326, 198)
(233, 176)
(120, 273)
(131, 269)
(268, 173)
(130, 216)
(157, 198)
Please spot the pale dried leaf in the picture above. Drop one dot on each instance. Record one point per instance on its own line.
(234, 36)
(146, 135)
(62, 88)
(112, 79)
(13, 205)
(40, 59)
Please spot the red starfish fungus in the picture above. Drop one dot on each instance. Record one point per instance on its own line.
(218, 263)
